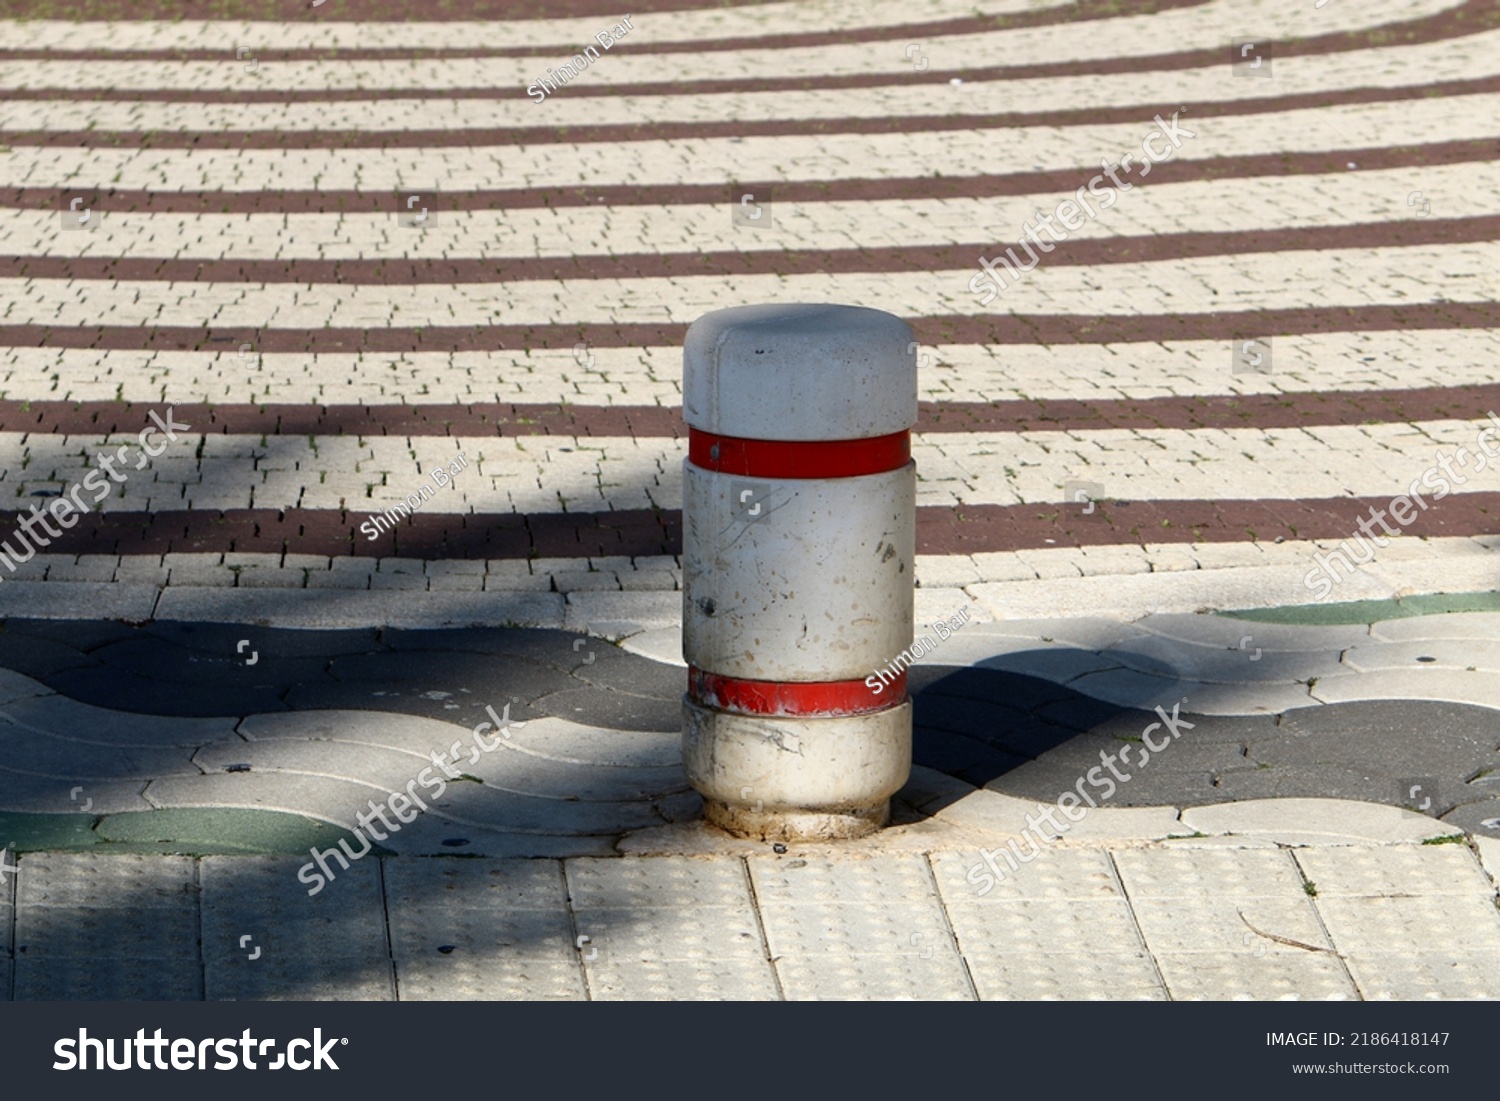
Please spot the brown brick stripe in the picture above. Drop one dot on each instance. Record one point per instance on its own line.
(1258, 411)
(698, 131)
(921, 258)
(965, 529)
(946, 329)
(1077, 12)
(273, 201)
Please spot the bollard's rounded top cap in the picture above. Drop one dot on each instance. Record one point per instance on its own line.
(800, 372)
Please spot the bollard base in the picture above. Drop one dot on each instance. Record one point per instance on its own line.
(765, 825)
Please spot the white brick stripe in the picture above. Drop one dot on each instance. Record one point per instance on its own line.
(1286, 280)
(715, 161)
(1463, 190)
(1320, 362)
(1209, 25)
(549, 474)
(1471, 58)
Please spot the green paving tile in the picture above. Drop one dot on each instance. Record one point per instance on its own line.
(1370, 611)
(194, 832)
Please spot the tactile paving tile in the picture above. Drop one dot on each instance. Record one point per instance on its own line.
(1288, 975)
(1023, 975)
(839, 879)
(261, 897)
(1212, 923)
(107, 979)
(1394, 870)
(1427, 976)
(672, 882)
(491, 934)
(806, 929)
(465, 978)
(91, 879)
(832, 976)
(1168, 872)
(330, 979)
(1104, 926)
(503, 884)
(1056, 874)
(692, 933)
(613, 979)
(1461, 924)
(162, 932)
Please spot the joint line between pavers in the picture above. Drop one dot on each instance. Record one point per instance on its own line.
(1338, 950)
(13, 893)
(202, 946)
(948, 925)
(583, 971)
(392, 969)
(760, 927)
(1135, 923)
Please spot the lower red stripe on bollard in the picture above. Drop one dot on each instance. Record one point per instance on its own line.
(798, 458)
(822, 699)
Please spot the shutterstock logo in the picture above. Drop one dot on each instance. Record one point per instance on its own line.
(158, 1053)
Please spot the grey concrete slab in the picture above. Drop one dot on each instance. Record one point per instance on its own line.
(1291, 975)
(1084, 927)
(702, 932)
(677, 882)
(262, 898)
(108, 978)
(340, 608)
(1478, 687)
(89, 725)
(465, 977)
(94, 879)
(134, 929)
(561, 740)
(17, 686)
(885, 976)
(1452, 975)
(432, 928)
(1224, 925)
(1479, 626)
(476, 884)
(1226, 632)
(1457, 924)
(1004, 975)
(1456, 654)
(1171, 872)
(1376, 870)
(272, 979)
(40, 795)
(77, 600)
(824, 879)
(1221, 663)
(735, 979)
(29, 752)
(1057, 874)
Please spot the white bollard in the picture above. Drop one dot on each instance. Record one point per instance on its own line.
(799, 538)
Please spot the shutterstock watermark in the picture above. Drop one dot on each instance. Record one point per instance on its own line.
(1321, 579)
(989, 281)
(317, 872)
(1071, 803)
(68, 507)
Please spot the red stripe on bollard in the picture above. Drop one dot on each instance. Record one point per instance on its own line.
(811, 700)
(798, 458)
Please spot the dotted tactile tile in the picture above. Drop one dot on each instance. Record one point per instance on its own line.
(465, 978)
(832, 976)
(504, 884)
(1413, 976)
(808, 929)
(1168, 872)
(1071, 926)
(1394, 870)
(692, 933)
(326, 979)
(674, 882)
(1461, 924)
(162, 932)
(1213, 923)
(1023, 975)
(109, 978)
(747, 979)
(1288, 975)
(494, 934)
(781, 879)
(1056, 874)
(88, 879)
(261, 897)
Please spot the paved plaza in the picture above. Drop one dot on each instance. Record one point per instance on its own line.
(263, 272)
